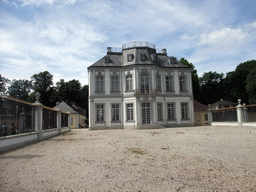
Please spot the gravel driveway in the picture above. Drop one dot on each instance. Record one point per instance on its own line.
(210, 158)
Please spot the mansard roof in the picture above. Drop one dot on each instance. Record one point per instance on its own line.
(116, 58)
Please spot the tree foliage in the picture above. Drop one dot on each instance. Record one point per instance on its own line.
(251, 86)
(20, 88)
(3, 82)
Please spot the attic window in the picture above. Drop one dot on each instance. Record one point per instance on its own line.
(143, 57)
(172, 60)
(130, 57)
(107, 59)
(153, 57)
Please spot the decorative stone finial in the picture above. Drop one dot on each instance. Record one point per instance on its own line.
(37, 97)
(58, 104)
(239, 101)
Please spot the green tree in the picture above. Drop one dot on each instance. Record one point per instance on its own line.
(211, 87)
(3, 82)
(251, 86)
(195, 80)
(236, 81)
(20, 88)
(42, 83)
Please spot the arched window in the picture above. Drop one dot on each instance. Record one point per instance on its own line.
(144, 82)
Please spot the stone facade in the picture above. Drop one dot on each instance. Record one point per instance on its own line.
(137, 87)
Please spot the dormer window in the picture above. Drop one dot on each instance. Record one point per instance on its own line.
(153, 57)
(107, 59)
(143, 57)
(130, 57)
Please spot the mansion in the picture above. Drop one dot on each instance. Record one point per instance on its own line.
(138, 86)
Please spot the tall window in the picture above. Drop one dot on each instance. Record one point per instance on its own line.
(128, 82)
(158, 82)
(99, 82)
(182, 83)
(170, 111)
(114, 83)
(100, 112)
(184, 110)
(129, 112)
(144, 83)
(169, 83)
(115, 112)
(159, 111)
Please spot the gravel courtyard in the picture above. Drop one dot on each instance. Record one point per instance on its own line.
(210, 158)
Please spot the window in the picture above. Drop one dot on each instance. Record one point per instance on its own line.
(71, 120)
(182, 83)
(143, 57)
(145, 113)
(129, 57)
(206, 117)
(144, 83)
(184, 110)
(99, 82)
(158, 82)
(169, 82)
(100, 112)
(159, 112)
(170, 111)
(128, 82)
(114, 83)
(129, 112)
(115, 112)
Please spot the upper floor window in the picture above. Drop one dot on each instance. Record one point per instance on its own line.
(158, 82)
(182, 80)
(129, 57)
(144, 83)
(114, 83)
(169, 83)
(129, 82)
(99, 82)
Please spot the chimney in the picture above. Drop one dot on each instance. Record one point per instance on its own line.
(163, 51)
(109, 49)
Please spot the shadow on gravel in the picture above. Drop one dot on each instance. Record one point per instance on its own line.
(20, 156)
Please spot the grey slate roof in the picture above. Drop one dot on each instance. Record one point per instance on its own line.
(116, 60)
(64, 107)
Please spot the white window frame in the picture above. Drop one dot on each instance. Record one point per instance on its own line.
(129, 84)
(114, 83)
(99, 110)
(169, 83)
(170, 111)
(160, 111)
(99, 80)
(129, 112)
(115, 108)
(184, 110)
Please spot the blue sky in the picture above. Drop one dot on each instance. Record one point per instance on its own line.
(64, 37)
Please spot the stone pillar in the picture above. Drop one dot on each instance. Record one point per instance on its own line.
(209, 115)
(239, 113)
(245, 113)
(38, 117)
(58, 118)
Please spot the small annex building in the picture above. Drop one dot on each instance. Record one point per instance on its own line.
(138, 86)
(78, 114)
(201, 113)
(223, 104)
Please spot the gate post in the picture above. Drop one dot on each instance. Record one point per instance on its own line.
(209, 115)
(239, 113)
(38, 117)
(58, 118)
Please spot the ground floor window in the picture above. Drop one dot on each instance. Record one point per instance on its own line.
(145, 113)
(115, 112)
(184, 110)
(159, 111)
(170, 111)
(100, 112)
(198, 117)
(129, 112)
(206, 117)
(71, 120)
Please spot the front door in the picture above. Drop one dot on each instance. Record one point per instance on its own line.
(145, 113)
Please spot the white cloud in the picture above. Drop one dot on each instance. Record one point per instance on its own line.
(225, 36)
(50, 2)
(186, 36)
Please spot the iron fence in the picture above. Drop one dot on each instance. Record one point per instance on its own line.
(249, 113)
(49, 118)
(64, 120)
(16, 117)
(224, 115)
